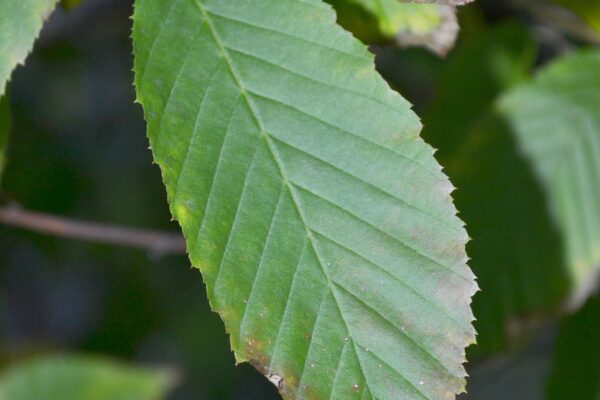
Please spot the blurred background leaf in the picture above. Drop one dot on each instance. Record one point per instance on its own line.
(82, 378)
(481, 67)
(557, 126)
(20, 23)
(433, 26)
(518, 262)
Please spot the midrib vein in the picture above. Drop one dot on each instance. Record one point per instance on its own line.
(293, 193)
(275, 154)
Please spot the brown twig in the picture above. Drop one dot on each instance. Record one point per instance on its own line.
(156, 242)
(561, 18)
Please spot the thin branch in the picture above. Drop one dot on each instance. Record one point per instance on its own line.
(157, 243)
(561, 18)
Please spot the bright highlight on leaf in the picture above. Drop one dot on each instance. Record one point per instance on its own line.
(82, 378)
(20, 23)
(557, 122)
(321, 222)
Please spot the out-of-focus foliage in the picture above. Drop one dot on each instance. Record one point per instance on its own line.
(382, 21)
(517, 263)
(556, 119)
(4, 132)
(82, 378)
(70, 4)
(477, 71)
(393, 16)
(576, 365)
(263, 174)
(20, 23)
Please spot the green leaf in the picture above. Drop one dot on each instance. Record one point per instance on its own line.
(516, 250)
(82, 378)
(378, 21)
(20, 23)
(557, 125)
(4, 132)
(321, 222)
(576, 365)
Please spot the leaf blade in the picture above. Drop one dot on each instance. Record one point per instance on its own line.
(249, 165)
(20, 23)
